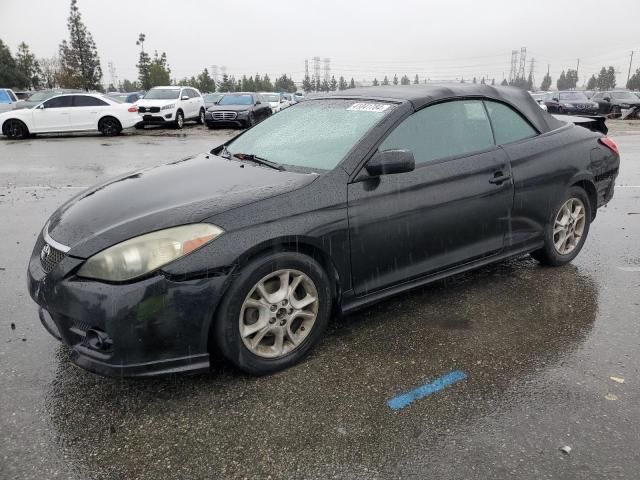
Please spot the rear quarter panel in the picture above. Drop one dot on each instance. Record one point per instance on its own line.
(543, 168)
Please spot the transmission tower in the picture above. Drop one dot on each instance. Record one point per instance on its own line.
(523, 63)
(514, 65)
(306, 68)
(327, 69)
(112, 74)
(223, 70)
(316, 69)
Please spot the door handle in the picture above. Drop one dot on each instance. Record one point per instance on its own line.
(499, 178)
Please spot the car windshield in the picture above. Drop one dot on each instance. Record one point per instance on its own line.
(162, 94)
(41, 96)
(315, 135)
(236, 100)
(212, 97)
(271, 97)
(573, 96)
(623, 96)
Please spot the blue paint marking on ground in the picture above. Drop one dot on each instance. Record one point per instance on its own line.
(401, 401)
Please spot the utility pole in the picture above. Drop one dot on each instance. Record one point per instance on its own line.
(629, 74)
(577, 71)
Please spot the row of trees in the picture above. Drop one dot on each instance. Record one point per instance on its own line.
(21, 71)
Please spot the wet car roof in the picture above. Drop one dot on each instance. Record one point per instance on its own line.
(422, 95)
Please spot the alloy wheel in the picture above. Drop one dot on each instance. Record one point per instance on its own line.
(278, 313)
(109, 127)
(569, 226)
(14, 129)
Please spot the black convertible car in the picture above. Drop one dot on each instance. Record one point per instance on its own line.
(332, 204)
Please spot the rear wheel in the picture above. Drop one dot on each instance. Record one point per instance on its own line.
(15, 129)
(274, 313)
(566, 230)
(109, 126)
(179, 120)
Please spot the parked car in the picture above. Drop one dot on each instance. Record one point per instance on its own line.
(274, 100)
(326, 207)
(171, 106)
(240, 109)
(38, 97)
(23, 94)
(615, 102)
(70, 113)
(211, 98)
(126, 97)
(570, 102)
(8, 99)
(539, 97)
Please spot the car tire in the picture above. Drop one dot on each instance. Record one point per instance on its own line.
(139, 126)
(560, 226)
(15, 129)
(616, 112)
(109, 126)
(279, 316)
(179, 123)
(200, 119)
(251, 120)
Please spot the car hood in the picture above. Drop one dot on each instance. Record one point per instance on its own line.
(155, 103)
(580, 102)
(229, 108)
(178, 193)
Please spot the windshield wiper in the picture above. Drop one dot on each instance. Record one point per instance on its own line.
(259, 160)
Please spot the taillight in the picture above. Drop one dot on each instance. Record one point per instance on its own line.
(132, 109)
(610, 144)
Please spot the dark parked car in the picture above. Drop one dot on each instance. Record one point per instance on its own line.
(328, 206)
(570, 102)
(614, 102)
(237, 109)
(130, 97)
(211, 99)
(38, 97)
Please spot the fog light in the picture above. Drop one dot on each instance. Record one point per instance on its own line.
(168, 115)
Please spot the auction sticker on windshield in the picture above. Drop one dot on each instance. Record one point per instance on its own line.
(369, 107)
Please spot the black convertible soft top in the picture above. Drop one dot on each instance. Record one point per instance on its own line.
(421, 95)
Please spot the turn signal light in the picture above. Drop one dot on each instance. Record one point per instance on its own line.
(132, 109)
(610, 144)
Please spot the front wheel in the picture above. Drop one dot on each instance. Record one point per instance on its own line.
(274, 313)
(179, 120)
(15, 130)
(566, 230)
(201, 117)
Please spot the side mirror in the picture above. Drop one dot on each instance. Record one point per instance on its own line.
(40, 107)
(607, 99)
(258, 102)
(185, 97)
(555, 99)
(391, 161)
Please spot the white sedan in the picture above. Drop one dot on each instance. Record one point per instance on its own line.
(75, 112)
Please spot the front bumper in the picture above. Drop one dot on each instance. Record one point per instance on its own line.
(237, 121)
(153, 326)
(160, 118)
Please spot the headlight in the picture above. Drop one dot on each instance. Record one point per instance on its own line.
(140, 255)
(567, 105)
(168, 107)
(624, 105)
(243, 112)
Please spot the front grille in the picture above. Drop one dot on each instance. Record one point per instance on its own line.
(224, 115)
(50, 257)
(148, 109)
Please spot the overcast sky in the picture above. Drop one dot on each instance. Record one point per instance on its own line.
(364, 39)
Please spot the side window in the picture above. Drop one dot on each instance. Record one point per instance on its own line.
(194, 94)
(597, 96)
(258, 98)
(87, 101)
(449, 129)
(508, 125)
(58, 102)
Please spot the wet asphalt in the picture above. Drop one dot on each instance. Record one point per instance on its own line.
(537, 345)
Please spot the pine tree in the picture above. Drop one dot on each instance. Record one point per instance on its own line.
(159, 71)
(561, 83)
(205, 83)
(634, 81)
(592, 83)
(79, 58)
(474, 80)
(546, 83)
(29, 66)
(504, 82)
(482, 81)
(416, 80)
(267, 86)
(10, 74)
(493, 81)
(405, 80)
(342, 84)
(611, 77)
(143, 65)
(602, 81)
(375, 82)
(352, 83)
(333, 86)
(325, 87)
(395, 79)
(285, 84)
(571, 78)
(385, 80)
(306, 84)
(530, 82)
(318, 85)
